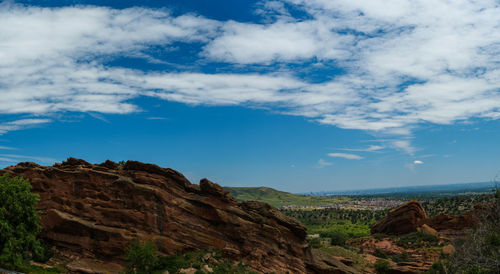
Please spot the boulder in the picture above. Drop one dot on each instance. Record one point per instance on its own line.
(428, 230)
(448, 249)
(401, 220)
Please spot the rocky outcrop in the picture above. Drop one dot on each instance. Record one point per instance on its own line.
(411, 217)
(466, 220)
(401, 220)
(93, 211)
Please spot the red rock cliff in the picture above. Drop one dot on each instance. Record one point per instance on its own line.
(94, 211)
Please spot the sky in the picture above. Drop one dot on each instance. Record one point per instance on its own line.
(302, 96)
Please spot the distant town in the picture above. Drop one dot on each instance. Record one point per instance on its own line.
(375, 204)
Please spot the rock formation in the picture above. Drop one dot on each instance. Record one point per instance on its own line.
(94, 211)
(411, 217)
(466, 220)
(401, 220)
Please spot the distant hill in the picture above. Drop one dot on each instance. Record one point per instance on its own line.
(279, 198)
(453, 189)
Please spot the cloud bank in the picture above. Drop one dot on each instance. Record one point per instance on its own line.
(387, 66)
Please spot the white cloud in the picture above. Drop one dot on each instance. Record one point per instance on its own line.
(371, 148)
(24, 158)
(345, 156)
(322, 163)
(52, 57)
(404, 145)
(21, 124)
(157, 118)
(404, 62)
(7, 148)
(413, 165)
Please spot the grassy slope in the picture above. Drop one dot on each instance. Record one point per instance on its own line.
(278, 198)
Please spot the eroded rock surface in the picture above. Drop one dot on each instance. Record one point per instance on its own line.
(401, 220)
(94, 211)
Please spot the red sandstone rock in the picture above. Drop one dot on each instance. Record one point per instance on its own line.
(467, 220)
(94, 211)
(401, 220)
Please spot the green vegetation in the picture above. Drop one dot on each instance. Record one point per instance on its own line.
(382, 266)
(380, 253)
(417, 240)
(479, 253)
(19, 224)
(279, 198)
(456, 205)
(347, 252)
(143, 259)
(333, 215)
(338, 238)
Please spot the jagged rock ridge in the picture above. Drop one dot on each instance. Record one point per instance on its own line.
(94, 211)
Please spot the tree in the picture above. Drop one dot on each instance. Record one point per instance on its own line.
(19, 222)
(480, 252)
(142, 258)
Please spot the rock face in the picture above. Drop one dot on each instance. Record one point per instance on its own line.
(411, 217)
(401, 220)
(466, 220)
(94, 211)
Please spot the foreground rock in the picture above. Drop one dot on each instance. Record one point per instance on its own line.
(401, 220)
(94, 211)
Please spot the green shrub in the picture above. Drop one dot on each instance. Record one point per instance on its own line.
(19, 223)
(142, 258)
(316, 243)
(380, 253)
(476, 269)
(338, 238)
(416, 240)
(439, 267)
(403, 257)
(382, 266)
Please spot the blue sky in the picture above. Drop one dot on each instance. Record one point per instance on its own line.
(293, 94)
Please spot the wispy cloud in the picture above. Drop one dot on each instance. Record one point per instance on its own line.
(157, 118)
(322, 163)
(7, 148)
(21, 124)
(404, 145)
(371, 148)
(417, 162)
(345, 156)
(25, 158)
(403, 63)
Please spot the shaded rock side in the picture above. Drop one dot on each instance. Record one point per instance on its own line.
(94, 211)
(401, 220)
(467, 220)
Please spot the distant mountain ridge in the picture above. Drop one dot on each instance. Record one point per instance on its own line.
(481, 187)
(278, 198)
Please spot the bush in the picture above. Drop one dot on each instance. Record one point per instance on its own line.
(417, 239)
(316, 243)
(403, 257)
(142, 258)
(439, 267)
(338, 238)
(480, 252)
(380, 253)
(382, 266)
(19, 223)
